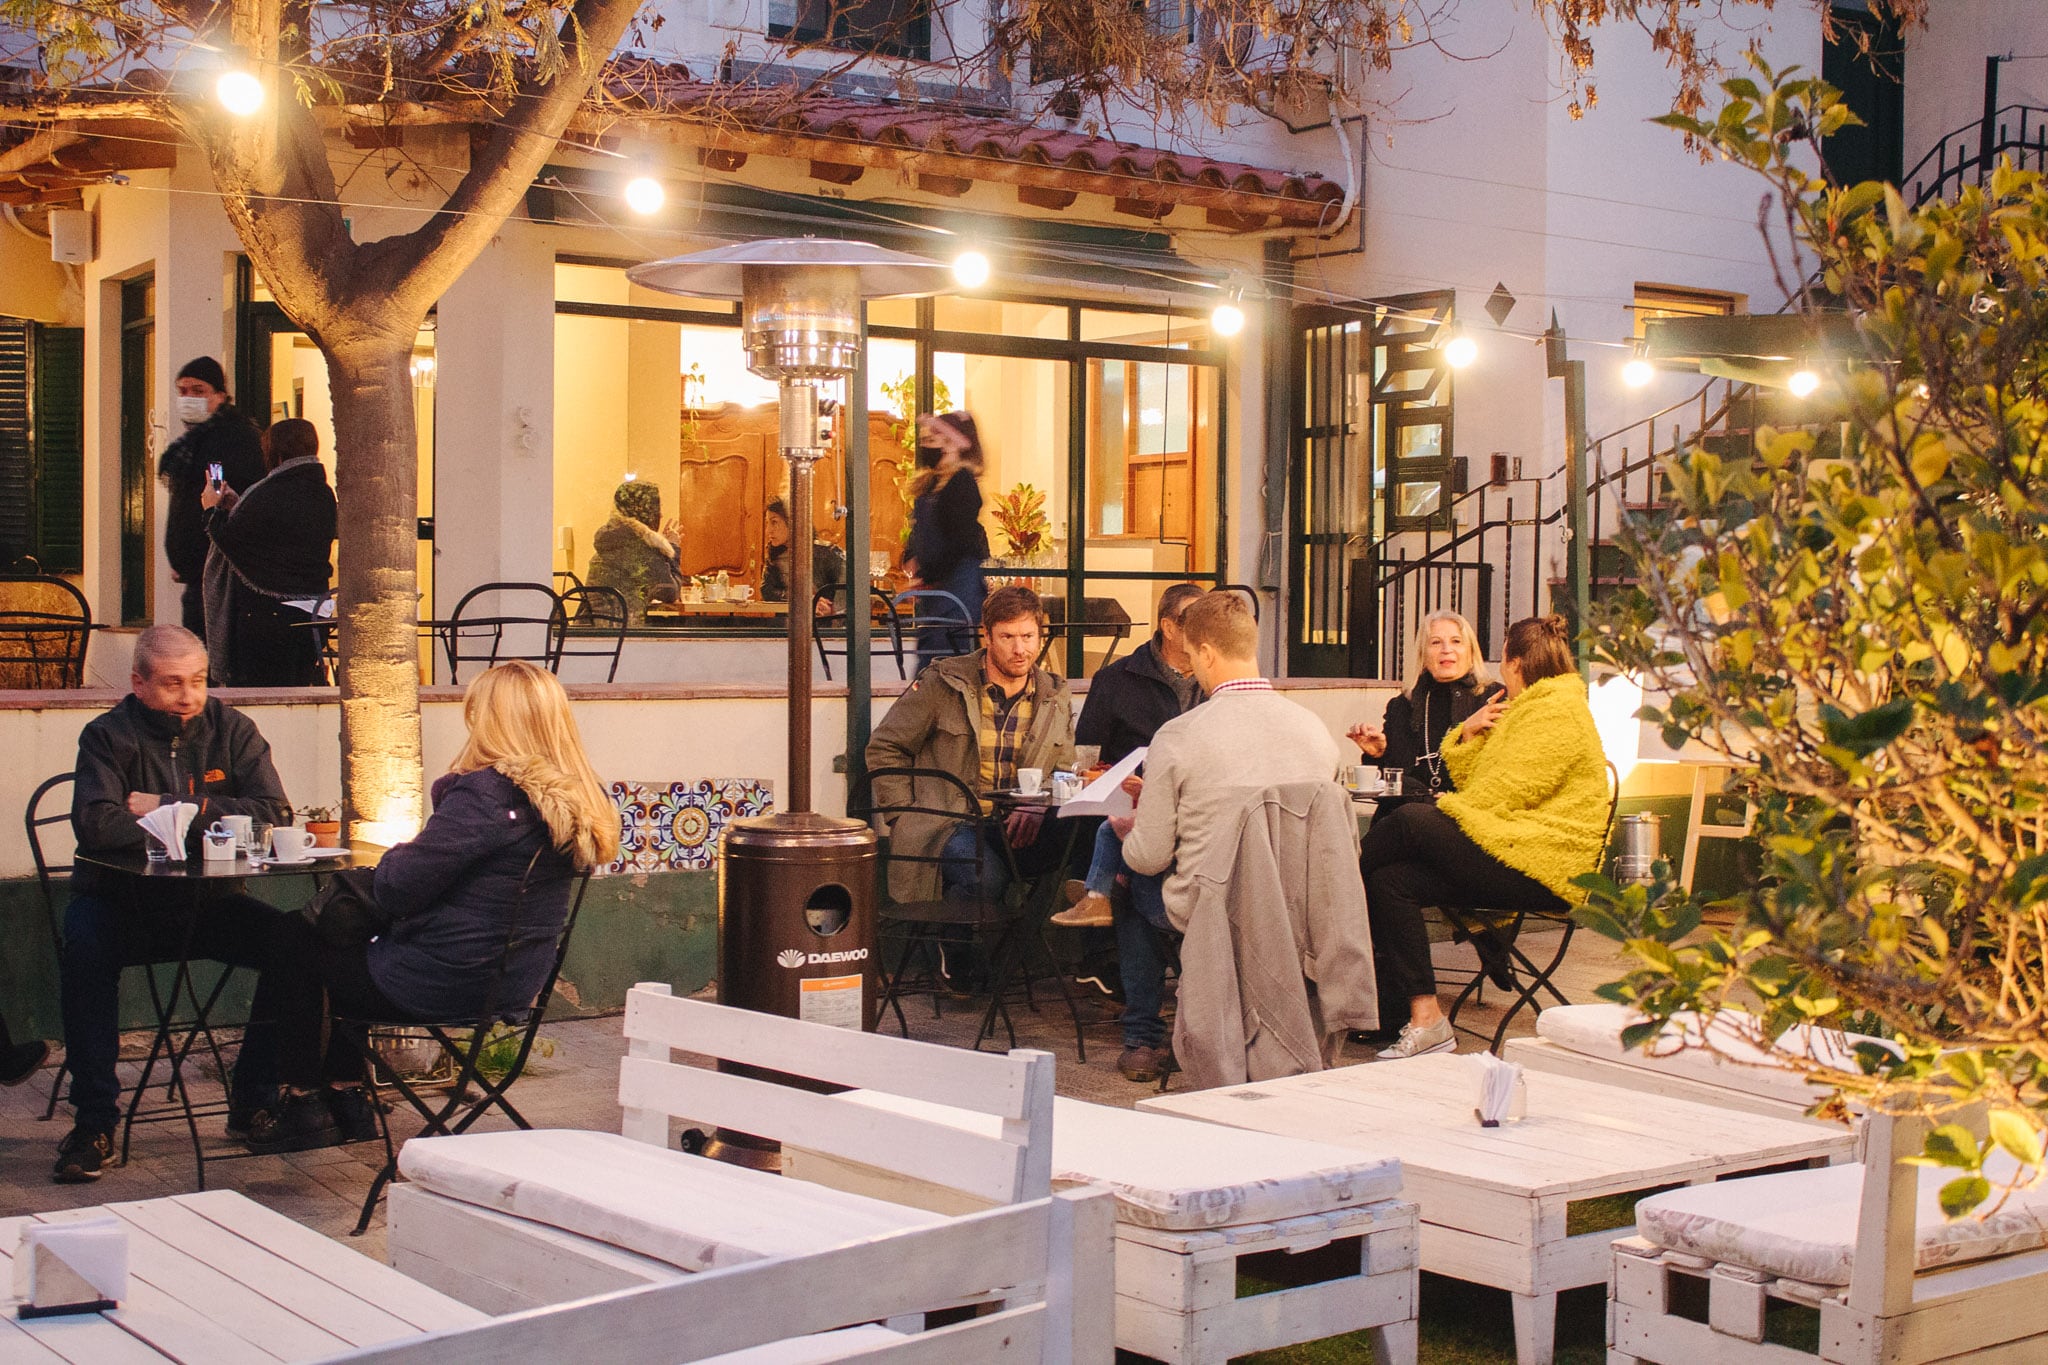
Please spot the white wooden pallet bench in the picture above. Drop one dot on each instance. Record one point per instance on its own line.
(1196, 1206)
(516, 1220)
(1585, 1041)
(1891, 1279)
(1044, 1263)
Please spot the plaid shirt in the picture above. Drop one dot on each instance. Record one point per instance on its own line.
(1004, 723)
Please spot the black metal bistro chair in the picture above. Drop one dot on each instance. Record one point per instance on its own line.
(1008, 928)
(497, 622)
(45, 626)
(1532, 979)
(50, 804)
(472, 1094)
(937, 609)
(594, 620)
(884, 640)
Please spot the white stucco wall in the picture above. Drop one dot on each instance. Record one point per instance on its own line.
(1945, 65)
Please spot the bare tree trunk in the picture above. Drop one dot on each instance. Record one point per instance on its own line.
(378, 598)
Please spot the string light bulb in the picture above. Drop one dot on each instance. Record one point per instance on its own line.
(1226, 319)
(971, 270)
(644, 195)
(1638, 372)
(1803, 383)
(1459, 350)
(240, 93)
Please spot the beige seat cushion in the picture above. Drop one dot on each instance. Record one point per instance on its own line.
(1183, 1175)
(1735, 1062)
(1802, 1224)
(686, 1210)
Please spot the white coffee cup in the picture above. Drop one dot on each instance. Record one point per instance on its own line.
(243, 827)
(1030, 781)
(1365, 778)
(290, 844)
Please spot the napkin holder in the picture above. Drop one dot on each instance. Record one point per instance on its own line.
(217, 845)
(1503, 1091)
(169, 825)
(77, 1267)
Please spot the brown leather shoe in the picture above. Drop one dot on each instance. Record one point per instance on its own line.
(1089, 912)
(1143, 1064)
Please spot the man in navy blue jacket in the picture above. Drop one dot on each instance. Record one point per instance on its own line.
(166, 741)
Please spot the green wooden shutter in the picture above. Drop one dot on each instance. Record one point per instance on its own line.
(17, 528)
(60, 448)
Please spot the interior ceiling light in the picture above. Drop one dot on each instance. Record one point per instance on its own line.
(239, 92)
(970, 269)
(644, 195)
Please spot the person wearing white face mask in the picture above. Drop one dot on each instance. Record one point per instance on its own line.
(216, 434)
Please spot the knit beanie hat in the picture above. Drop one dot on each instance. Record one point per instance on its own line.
(207, 371)
(640, 501)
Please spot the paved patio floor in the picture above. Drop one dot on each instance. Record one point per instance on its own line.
(575, 1086)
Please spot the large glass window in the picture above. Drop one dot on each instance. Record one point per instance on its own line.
(1102, 431)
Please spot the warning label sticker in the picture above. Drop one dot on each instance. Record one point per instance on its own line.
(834, 1001)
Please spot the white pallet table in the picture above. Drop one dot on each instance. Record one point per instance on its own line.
(1494, 1201)
(1540, 1054)
(1177, 1286)
(216, 1279)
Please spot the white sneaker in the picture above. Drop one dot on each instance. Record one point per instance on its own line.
(1420, 1042)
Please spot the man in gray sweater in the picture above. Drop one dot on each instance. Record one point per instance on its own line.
(1201, 769)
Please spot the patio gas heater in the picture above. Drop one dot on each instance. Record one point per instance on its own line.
(796, 914)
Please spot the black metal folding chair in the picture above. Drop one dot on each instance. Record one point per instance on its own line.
(1531, 978)
(595, 619)
(527, 624)
(884, 640)
(1013, 924)
(472, 1093)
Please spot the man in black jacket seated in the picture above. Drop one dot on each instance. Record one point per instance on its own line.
(166, 741)
(1128, 701)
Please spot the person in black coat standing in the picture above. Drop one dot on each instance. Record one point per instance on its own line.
(947, 540)
(270, 565)
(215, 434)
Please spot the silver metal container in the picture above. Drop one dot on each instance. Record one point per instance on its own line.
(1642, 843)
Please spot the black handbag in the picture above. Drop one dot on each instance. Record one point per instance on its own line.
(344, 912)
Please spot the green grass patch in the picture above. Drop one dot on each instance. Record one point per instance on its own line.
(1608, 1212)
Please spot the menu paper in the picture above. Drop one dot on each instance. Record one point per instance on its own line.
(1106, 794)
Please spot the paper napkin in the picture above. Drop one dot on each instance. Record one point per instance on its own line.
(71, 1267)
(169, 824)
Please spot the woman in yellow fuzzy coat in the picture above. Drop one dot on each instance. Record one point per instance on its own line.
(1529, 814)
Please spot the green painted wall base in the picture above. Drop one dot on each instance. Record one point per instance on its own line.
(659, 926)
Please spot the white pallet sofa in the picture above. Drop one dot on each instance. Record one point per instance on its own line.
(1197, 1202)
(1046, 1261)
(1893, 1280)
(509, 1221)
(1585, 1041)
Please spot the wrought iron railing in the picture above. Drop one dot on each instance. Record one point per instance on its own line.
(1968, 154)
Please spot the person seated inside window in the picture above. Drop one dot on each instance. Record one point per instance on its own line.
(628, 552)
(828, 563)
(1528, 814)
(476, 903)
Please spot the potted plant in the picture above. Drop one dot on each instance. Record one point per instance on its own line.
(319, 822)
(1020, 518)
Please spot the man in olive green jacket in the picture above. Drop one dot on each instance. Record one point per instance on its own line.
(979, 717)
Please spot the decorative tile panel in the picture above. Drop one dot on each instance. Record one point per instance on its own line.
(676, 826)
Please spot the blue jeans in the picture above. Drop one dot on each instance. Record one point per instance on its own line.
(945, 641)
(1108, 863)
(957, 873)
(105, 933)
(1141, 930)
